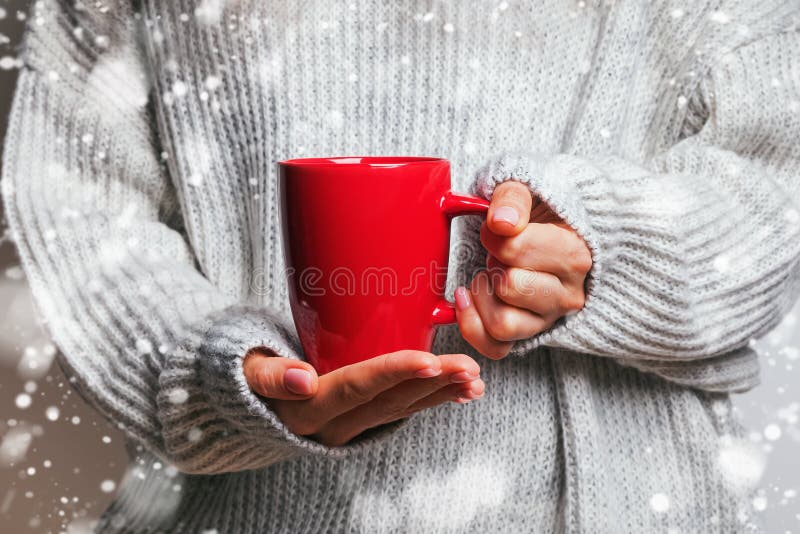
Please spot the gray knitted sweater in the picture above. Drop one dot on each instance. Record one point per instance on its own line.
(139, 182)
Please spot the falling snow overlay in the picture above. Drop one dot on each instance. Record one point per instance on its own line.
(139, 189)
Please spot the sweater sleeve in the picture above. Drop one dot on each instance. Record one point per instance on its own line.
(695, 251)
(144, 336)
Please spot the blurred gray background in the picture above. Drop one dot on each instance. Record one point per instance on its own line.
(60, 463)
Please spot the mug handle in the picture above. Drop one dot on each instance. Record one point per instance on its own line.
(454, 205)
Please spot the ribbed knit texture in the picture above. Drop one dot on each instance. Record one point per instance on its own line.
(139, 183)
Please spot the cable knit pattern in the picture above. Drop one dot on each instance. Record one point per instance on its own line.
(139, 183)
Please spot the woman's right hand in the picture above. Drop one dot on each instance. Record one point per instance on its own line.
(338, 406)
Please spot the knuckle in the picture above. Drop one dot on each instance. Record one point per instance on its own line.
(513, 191)
(573, 301)
(523, 282)
(354, 391)
(502, 326)
(580, 259)
(514, 248)
(387, 362)
(265, 382)
(496, 352)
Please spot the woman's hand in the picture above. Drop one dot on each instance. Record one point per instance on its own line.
(336, 407)
(536, 268)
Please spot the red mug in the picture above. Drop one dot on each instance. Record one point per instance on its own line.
(366, 242)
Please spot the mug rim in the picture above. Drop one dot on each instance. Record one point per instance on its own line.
(370, 161)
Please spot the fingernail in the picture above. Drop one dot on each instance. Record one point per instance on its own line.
(461, 377)
(506, 214)
(463, 400)
(427, 373)
(461, 296)
(298, 381)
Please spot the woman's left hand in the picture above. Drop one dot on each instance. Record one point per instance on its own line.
(536, 268)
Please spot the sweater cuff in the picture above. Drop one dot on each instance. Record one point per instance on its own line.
(735, 372)
(581, 194)
(559, 181)
(231, 335)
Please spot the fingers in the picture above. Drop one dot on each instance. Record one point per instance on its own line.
(460, 393)
(472, 329)
(394, 403)
(350, 386)
(510, 209)
(353, 385)
(539, 292)
(550, 248)
(502, 321)
(279, 378)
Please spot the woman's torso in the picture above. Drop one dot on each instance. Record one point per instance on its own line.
(252, 83)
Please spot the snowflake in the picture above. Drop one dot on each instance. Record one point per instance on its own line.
(23, 401)
(144, 346)
(8, 63)
(14, 445)
(209, 12)
(212, 82)
(440, 501)
(335, 118)
(659, 503)
(741, 464)
(720, 17)
(195, 179)
(772, 432)
(178, 396)
(52, 413)
(722, 263)
(179, 88)
(194, 435)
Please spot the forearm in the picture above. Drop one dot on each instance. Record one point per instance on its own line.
(695, 250)
(686, 264)
(119, 291)
(144, 336)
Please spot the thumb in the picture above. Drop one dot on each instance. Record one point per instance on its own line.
(275, 377)
(510, 210)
